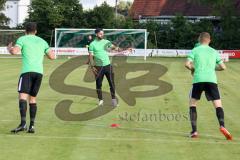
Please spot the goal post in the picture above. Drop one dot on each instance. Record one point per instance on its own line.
(72, 42)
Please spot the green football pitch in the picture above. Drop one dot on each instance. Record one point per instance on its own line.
(154, 128)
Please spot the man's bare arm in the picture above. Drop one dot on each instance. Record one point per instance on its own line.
(220, 67)
(13, 49)
(189, 65)
(115, 48)
(91, 63)
(51, 55)
(90, 59)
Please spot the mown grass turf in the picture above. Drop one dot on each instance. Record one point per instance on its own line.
(136, 138)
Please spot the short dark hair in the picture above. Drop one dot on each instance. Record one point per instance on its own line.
(204, 35)
(31, 27)
(98, 30)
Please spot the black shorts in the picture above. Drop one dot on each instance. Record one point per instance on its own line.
(30, 83)
(210, 89)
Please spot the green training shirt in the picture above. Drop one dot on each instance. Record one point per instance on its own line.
(33, 49)
(204, 59)
(99, 49)
(197, 44)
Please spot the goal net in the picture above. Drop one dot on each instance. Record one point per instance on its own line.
(72, 42)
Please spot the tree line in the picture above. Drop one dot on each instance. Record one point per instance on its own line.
(179, 33)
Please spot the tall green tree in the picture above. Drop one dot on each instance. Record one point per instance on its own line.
(104, 16)
(123, 7)
(51, 14)
(101, 16)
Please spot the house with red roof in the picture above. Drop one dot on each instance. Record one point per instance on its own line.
(165, 10)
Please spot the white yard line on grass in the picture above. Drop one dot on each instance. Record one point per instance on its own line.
(183, 134)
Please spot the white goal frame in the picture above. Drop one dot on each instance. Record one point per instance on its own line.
(84, 29)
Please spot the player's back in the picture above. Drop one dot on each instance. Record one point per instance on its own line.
(33, 49)
(205, 59)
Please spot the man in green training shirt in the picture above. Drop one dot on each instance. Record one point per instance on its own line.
(33, 49)
(100, 63)
(203, 62)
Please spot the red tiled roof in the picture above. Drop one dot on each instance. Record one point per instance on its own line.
(170, 8)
